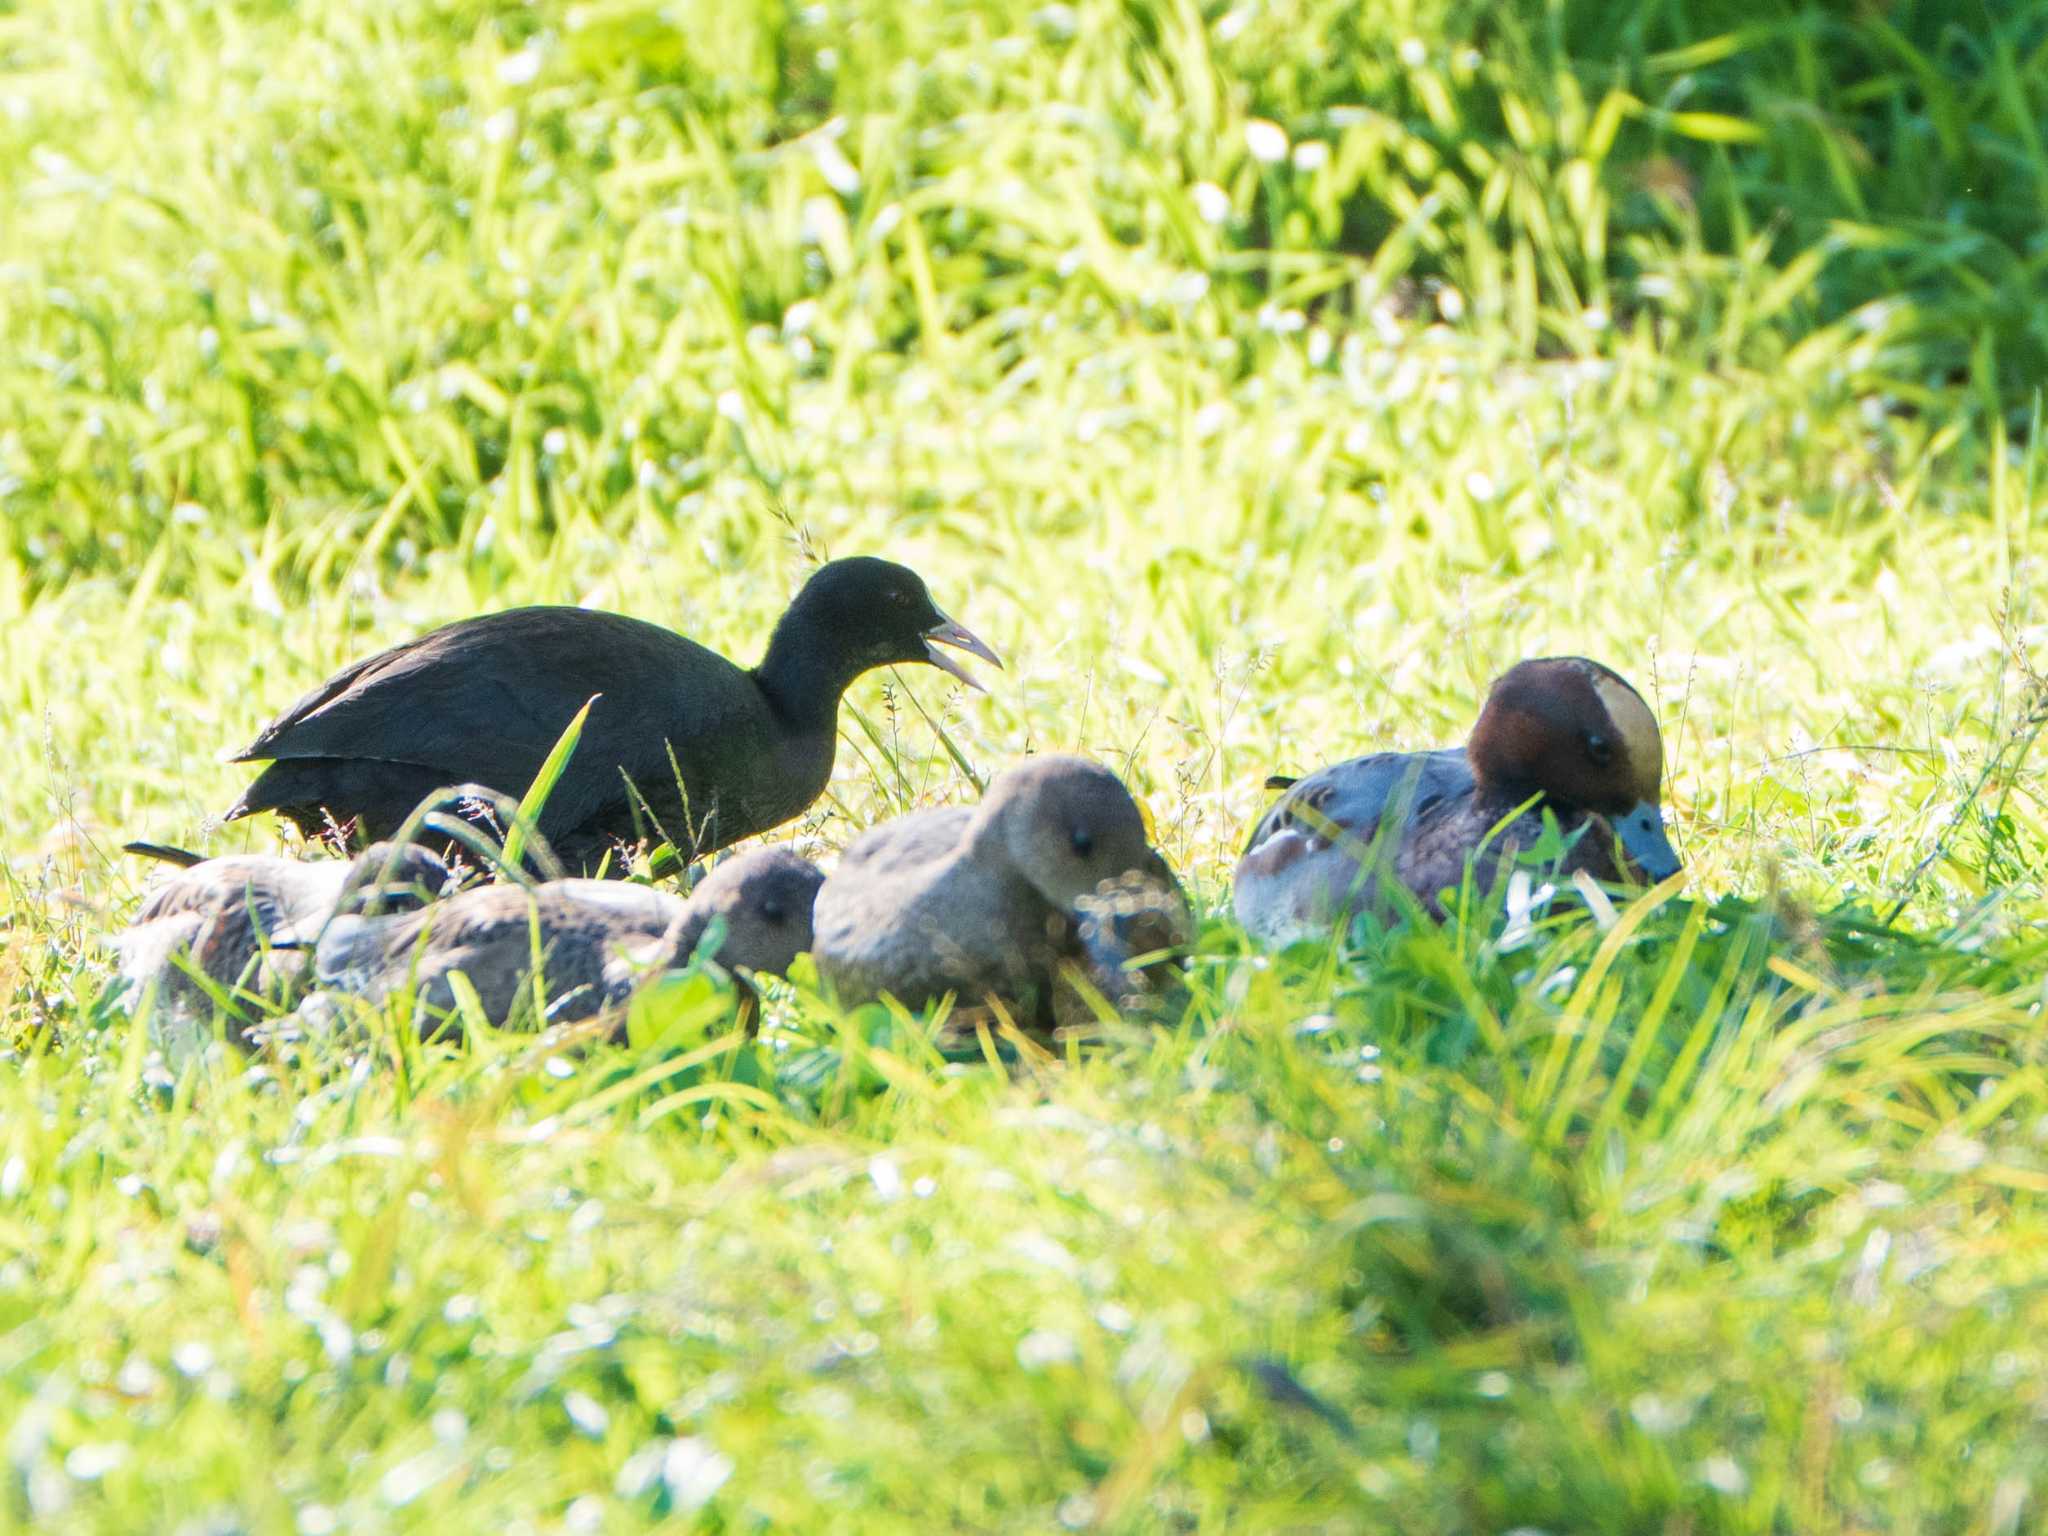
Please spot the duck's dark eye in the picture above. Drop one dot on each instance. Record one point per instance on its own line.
(771, 911)
(1599, 748)
(1083, 841)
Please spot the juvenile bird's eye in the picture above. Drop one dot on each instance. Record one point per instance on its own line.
(1083, 841)
(1599, 748)
(772, 911)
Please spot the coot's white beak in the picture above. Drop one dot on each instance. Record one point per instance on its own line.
(948, 632)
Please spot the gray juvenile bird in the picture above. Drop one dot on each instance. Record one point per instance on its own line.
(598, 940)
(679, 740)
(231, 918)
(1049, 878)
(1562, 730)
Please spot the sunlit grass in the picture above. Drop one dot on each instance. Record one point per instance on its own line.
(1704, 354)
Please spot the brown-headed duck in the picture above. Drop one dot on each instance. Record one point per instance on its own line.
(1566, 733)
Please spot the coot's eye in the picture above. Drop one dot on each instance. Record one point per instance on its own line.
(771, 911)
(1599, 748)
(1083, 841)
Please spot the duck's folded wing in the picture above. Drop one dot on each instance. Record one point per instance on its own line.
(1348, 801)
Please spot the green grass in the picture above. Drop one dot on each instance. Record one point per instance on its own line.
(1705, 342)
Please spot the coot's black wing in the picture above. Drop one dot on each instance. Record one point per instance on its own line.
(485, 700)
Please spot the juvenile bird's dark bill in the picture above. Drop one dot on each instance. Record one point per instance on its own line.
(948, 632)
(1643, 839)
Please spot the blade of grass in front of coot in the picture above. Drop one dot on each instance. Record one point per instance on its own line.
(527, 818)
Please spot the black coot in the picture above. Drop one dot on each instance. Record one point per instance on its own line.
(682, 744)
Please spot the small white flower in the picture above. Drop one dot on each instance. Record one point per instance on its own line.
(1311, 155)
(1211, 201)
(500, 126)
(839, 172)
(1039, 1249)
(587, 1414)
(1061, 21)
(1042, 1349)
(1721, 1474)
(694, 1470)
(887, 1178)
(192, 1358)
(90, 1463)
(1413, 54)
(519, 68)
(409, 1479)
(1657, 1415)
(1266, 140)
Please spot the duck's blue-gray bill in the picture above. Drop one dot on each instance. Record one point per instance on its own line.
(1643, 839)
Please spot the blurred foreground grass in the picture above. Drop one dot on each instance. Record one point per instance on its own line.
(1261, 380)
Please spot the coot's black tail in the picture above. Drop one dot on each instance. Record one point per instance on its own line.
(169, 855)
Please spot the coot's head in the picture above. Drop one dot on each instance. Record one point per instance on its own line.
(1579, 734)
(864, 613)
